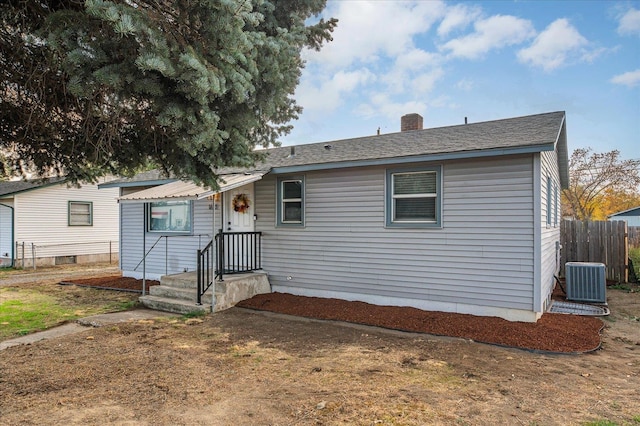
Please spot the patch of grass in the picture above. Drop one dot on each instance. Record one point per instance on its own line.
(634, 421)
(126, 305)
(27, 310)
(195, 314)
(5, 271)
(23, 312)
(634, 254)
(620, 286)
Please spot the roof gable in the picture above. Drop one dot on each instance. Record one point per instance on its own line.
(149, 177)
(634, 211)
(10, 188)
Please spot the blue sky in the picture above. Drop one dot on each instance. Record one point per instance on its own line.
(483, 60)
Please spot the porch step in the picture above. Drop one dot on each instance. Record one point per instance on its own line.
(183, 280)
(177, 306)
(178, 293)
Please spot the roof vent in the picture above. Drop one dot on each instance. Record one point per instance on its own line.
(411, 122)
(328, 146)
(292, 152)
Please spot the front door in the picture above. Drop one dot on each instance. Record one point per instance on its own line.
(239, 209)
(238, 221)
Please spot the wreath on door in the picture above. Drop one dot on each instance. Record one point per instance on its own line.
(241, 203)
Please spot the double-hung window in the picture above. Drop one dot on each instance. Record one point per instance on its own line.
(291, 201)
(555, 204)
(414, 197)
(80, 213)
(549, 201)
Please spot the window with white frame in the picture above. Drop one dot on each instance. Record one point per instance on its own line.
(414, 197)
(169, 216)
(549, 200)
(291, 201)
(80, 213)
(555, 204)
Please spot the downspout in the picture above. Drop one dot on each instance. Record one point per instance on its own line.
(213, 253)
(144, 248)
(13, 243)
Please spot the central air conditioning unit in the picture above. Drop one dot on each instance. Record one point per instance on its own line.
(586, 282)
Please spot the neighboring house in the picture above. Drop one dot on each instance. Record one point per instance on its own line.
(460, 219)
(54, 223)
(631, 216)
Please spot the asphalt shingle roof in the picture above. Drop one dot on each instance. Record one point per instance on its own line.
(521, 132)
(155, 176)
(13, 187)
(535, 132)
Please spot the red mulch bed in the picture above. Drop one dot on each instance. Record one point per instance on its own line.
(559, 333)
(114, 282)
(552, 333)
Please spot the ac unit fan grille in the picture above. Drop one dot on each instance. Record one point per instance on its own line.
(586, 282)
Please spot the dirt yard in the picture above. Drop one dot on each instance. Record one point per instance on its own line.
(243, 367)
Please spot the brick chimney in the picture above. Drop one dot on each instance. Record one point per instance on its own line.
(411, 122)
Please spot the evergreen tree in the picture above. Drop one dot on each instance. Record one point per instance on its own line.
(96, 86)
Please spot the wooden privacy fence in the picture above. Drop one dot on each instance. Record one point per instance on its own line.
(596, 241)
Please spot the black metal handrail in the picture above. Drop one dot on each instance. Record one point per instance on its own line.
(238, 252)
(204, 270)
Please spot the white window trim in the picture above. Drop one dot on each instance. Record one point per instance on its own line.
(280, 201)
(555, 204)
(549, 201)
(390, 197)
(69, 215)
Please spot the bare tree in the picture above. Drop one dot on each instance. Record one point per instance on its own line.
(591, 174)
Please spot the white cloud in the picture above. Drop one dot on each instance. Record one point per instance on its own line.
(629, 23)
(457, 17)
(416, 59)
(630, 79)
(425, 82)
(492, 33)
(381, 105)
(407, 66)
(553, 47)
(368, 29)
(328, 95)
(592, 55)
(464, 84)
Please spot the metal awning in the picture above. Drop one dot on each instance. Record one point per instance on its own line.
(181, 190)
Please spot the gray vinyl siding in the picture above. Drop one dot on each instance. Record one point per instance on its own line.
(172, 253)
(482, 255)
(550, 232)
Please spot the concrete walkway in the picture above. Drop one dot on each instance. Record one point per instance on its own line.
(83, 324)
(56, 274)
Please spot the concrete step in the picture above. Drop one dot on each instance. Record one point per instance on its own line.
(173, 305)
(187, 294)
(177, 293)
(183, 280)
